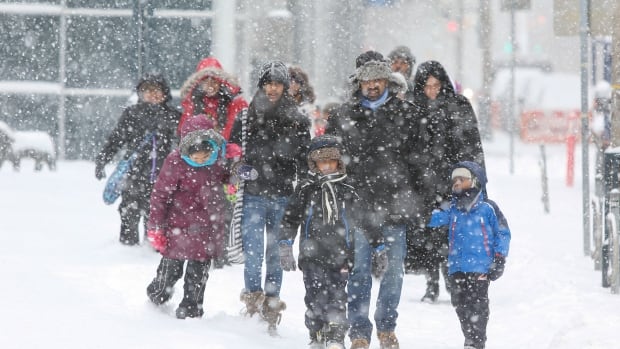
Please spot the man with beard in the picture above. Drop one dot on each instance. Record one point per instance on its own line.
(147, 127)
(276, 136)
(375, 128)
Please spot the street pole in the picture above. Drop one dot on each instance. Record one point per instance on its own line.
(511, 102)
(485, 95)
(585, 134)
(62, 48)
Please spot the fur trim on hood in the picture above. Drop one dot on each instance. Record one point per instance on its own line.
(210, 67)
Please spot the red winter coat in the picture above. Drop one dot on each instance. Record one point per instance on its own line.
(188, 203)
(224, 107)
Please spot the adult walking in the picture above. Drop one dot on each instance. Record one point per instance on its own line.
(276, 138)
(448, 134)
(374, 126)
(402, 61)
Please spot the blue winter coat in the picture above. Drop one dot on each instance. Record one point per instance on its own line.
(475, 236)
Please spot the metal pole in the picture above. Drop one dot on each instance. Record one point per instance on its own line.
(485, 43)
(62, 48)
(584, 33)
(511, 102)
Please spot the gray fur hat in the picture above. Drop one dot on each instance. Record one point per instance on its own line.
(373, 70)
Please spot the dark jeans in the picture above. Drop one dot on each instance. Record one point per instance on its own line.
(169, 271)
(470, 299)
(326, 300)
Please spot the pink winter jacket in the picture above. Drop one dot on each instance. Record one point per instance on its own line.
(188, 203)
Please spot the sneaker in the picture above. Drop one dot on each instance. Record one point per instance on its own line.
(183, 312)
(388, 340)
(334, 345)
(360, 343)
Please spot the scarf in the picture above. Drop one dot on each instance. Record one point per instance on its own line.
(375, 104)
(329, 201)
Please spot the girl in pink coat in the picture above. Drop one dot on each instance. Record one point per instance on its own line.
(187, 215)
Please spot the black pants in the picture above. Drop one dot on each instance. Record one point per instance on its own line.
(427, 253)
(470, 299)
(169, 271)
(326, 301)
(133, 207)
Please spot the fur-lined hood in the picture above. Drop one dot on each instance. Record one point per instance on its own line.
(210, 67)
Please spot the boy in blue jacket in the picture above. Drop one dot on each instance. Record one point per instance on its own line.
(479, 240)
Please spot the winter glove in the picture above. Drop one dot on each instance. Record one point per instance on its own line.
(379, 261)
(243, 172)
(100, 171)
(496, 270)
(157, 239)
(287, 260)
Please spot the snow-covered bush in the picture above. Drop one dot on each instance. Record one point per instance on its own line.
(37, 145)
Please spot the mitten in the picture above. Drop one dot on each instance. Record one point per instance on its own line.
(379, 261)
(243, 172)
(496, 270)
(157, 239)
(287, 260)
(99, 171)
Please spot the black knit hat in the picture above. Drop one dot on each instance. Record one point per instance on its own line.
(273, 71)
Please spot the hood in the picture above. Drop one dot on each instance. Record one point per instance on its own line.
(197, 129)
(155, 78)
(435, 69)
(210, 67)
(476, 170)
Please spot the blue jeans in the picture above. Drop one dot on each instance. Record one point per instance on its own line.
(260, 212)
(360, 283)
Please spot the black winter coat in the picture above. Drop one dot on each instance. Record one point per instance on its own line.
(447, 134)
(135, 123)
(329, 245)
(277, 139)
(379, 145)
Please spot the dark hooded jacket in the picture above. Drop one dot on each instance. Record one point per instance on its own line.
(188, 202)
(379, 145)
(327, 234)
(134, 132)
(276, 141)
(447, 133)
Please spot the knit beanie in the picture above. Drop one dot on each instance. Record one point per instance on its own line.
(273, 71)
(404, 53)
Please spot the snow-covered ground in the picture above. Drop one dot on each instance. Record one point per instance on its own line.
(67, 283)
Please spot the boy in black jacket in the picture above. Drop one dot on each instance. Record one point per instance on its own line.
(326, 209)
(147, 127)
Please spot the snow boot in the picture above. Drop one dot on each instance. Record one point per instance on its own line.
(432, 293)
(316, 340)
(191, 312)
(272, 312)
(334, 335)
(253, 302)
(360, 343)
(388, 340)
(334, 345)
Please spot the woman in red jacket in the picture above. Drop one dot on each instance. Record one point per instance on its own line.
(187, 215)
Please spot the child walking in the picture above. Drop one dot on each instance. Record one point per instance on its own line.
(187, 215)
(325, 208)
(479, 240)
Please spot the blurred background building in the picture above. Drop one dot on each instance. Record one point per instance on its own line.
(68, 67)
